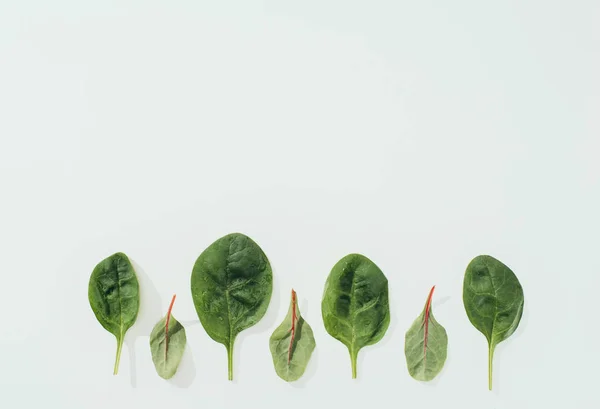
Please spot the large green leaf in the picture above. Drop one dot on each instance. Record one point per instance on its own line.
(355, 304)
(167, 344)
(425, 345)
(292, 344)
(231, 285)
(493, 299)
(114, 296)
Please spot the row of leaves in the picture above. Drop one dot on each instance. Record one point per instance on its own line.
(231, 286)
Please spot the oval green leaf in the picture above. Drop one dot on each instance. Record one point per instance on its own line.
(292, 344)
(493, 299)
(425, 345)
(231, 285)
(167, 344)
(355, 304)
(114, 296)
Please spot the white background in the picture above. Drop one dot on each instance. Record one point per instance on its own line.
(419, 133)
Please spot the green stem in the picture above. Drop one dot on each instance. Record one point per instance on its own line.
(230, 361)
(118, 358)
(490, 359)
(353, 356)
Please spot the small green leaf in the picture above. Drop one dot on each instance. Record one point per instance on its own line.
(425, 345)
(114, 296)
(493, 299)
(167, 344)
(292, 344)
(355, 304)
(231, 285)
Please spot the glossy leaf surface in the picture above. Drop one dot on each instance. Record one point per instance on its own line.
(493, 299)
(113, 292)
(355, 304)
(231, 285)
(292, 344)
(425, 345)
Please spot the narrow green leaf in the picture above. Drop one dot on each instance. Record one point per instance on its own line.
(292, 344)
(355, 304)
(425, 345)
(494, 300)
(231, 285)
(167, 344)
(113, 292)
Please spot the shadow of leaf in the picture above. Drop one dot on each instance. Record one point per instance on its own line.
(267, 322)
(186, 373)
(148, 315)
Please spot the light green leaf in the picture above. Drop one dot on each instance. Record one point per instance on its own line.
(231, 285)
(114, 296)
(425, 345)
(167, 344)
(292, 344)
(493, 299)
(355, 304)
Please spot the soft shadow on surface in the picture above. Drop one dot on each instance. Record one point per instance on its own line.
(148, 315)
(313, 363)
(387, 337)
(186, 373)
(132, 359)
(436, 380)
(269, 320)
(266, 324)
(439, 302)
(189, 323)
(303, 307)
(508, 344)
(309, 373)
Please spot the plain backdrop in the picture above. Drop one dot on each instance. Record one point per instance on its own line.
(418, 133)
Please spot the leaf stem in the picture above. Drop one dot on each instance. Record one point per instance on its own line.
(353, 356)
(230, 361)
(426, 333)
(118, 358)
(293, 330)
(490, 359)
(167, 325)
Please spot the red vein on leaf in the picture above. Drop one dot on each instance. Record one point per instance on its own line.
(167, 325)
(293, 330)
(427, 314)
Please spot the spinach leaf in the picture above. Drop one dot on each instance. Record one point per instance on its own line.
(292, 344)
(231, 285)
(425, 345)
(167, 344)
(114, 296)
(355, 304)
(493, 299)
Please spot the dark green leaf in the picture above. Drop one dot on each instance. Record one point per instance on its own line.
(167, 344)
(493, 299)
(355, 304)
(425, 345)
(231, 284)
(113, 293)
(292, 344)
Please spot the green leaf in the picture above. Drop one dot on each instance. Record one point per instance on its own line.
(355, 304)
(231, 284)
(114, 296)
(167, 344)
(425, 345)
(292, 344)
(493, 299)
